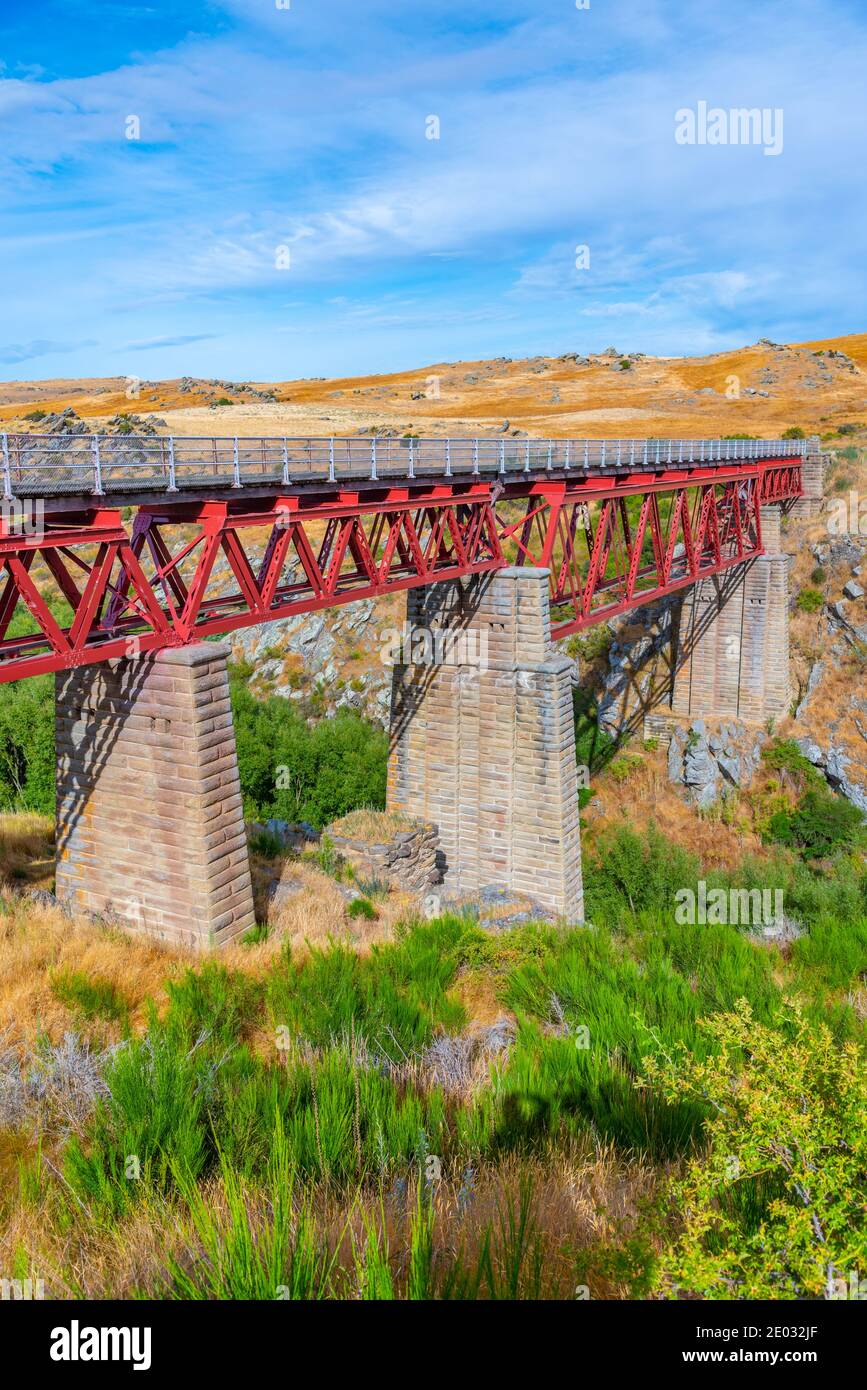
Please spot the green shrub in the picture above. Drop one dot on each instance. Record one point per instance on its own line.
(774, 1208)
(820, 824)
(361, 907)
(793, 432)
(149, 1125)
(212, 1003)
(393, 998)
(784, 755)
(266, 843)
(283, 1256)
(628, 872)
(291, 771)
(836, 951)
(810, 600)
(27, 765)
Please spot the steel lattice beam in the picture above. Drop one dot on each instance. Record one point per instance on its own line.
(188, 569)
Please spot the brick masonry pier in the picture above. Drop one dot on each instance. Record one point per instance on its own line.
(483, 745)
(733, 640)
(150, 827)
(813, 476)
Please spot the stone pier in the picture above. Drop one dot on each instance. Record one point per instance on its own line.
(812, 502)
(733, 639)
(483, 742)
(150, 828)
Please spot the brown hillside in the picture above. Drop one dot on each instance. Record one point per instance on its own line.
(778, 386)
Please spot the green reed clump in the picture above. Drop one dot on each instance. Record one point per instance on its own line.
(90, 996)
(152, 1122)
(394, 999)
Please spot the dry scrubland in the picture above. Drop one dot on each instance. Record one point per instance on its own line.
(547, 396)
(355, 1103)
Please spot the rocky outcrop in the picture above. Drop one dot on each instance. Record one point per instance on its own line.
(315, 639)
(633, 680)
(710, 764)
(410, 860)
(834, 763)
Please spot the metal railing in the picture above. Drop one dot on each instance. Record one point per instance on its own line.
(95, 464)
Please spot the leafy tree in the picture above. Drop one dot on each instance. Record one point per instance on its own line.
(296, 772)
(774, 1207)
(288, 769)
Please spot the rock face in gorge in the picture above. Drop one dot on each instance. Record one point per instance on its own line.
(639, 672)
(706, 764)
(330, 659)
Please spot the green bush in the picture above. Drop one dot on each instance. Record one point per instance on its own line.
(773, 1207)
(360, 907)
(394, 998)
(293, 772)
(330, 769)
(810, 600)
(784, 755)
(27, 769)
(629, 872)
(820, 824)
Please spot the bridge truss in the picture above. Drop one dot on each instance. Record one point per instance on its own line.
(94, 581)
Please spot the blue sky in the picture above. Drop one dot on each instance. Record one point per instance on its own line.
(304, 128)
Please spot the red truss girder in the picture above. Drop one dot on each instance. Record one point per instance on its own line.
(162, 586)
(603, 566)
(189, 570)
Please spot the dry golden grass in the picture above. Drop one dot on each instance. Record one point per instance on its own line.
(374, 827)
(37, 941)
(582, 1199)
(648, 796)
(26, 849)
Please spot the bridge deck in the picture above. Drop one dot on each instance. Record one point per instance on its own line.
(100, 465)
(613, 523)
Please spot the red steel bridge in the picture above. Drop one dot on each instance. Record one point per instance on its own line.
(116, 545)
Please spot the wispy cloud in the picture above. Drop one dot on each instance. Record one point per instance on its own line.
(281, 155)
(166, 341)
(14, 353)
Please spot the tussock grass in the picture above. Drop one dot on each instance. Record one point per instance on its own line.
(518, 1227)
(39, 944)
(372, 826)
(26, 849)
